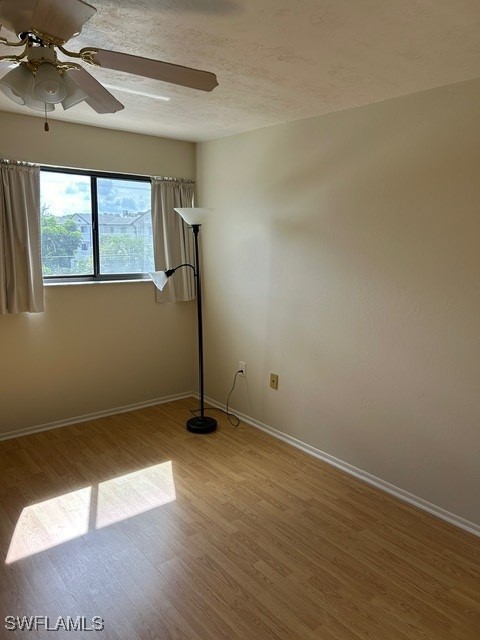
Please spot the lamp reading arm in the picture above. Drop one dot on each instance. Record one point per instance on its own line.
(170, 272)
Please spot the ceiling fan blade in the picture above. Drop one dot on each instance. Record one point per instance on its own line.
(101, 100)
(60, 19)
(173, 73)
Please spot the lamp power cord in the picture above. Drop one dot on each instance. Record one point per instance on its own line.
(232, 418)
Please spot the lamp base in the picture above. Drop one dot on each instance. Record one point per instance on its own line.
(200, 424)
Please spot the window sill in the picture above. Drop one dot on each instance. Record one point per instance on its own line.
(68, 283)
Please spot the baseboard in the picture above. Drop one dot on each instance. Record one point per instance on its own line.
(393, 490)
(92, 416)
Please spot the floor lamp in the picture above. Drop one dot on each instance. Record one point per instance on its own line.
(194, 217)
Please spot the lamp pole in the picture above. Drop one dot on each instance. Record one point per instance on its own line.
(195, 230)
(193, 217)
(201, 423)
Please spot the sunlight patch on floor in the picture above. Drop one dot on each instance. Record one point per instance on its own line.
(50, 523)
(134, 493)
(58, 520)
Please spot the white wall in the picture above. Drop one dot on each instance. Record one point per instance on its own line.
(344, 256)
(97, 346)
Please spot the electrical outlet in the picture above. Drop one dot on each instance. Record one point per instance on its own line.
(242, 366)
(274, 380)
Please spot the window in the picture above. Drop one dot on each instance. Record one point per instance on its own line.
(95, 226)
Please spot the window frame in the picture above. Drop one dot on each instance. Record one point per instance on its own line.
(97, 276)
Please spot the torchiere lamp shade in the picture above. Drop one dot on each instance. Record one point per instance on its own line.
(194, 215)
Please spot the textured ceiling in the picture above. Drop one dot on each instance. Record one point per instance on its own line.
(276, 60)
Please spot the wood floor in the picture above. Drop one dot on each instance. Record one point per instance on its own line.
(230, 536)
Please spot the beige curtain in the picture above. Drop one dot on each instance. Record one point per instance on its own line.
(172, 238)
(21, 283)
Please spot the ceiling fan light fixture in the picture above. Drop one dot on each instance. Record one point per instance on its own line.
(75, 93)
(17, 84)
(49, 84)
(32, 102)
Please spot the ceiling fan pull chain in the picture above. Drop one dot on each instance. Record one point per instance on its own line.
(46, 126)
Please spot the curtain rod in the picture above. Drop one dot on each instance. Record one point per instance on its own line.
(18, 163)
(21, 163)
(168, 179)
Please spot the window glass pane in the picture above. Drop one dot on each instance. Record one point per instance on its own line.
(125, 226)
(66, 224)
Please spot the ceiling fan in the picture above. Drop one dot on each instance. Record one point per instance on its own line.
(40, 80)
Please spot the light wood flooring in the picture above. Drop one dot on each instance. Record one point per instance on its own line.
(229, 536)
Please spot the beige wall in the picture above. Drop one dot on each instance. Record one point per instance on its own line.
(344, 256)
(84, 147)
(98, 346)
